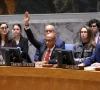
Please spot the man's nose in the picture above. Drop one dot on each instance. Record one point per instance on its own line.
(48, 32)
(46, 41)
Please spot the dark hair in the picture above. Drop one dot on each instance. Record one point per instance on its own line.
(8, 36)
(91, 40)
(3, 23)
(18, 26)
(94, 21)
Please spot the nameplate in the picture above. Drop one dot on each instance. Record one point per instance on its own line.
(22, 64)
(97, 69)
(73, 67)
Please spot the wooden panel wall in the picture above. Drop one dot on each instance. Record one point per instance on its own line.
(11, 4)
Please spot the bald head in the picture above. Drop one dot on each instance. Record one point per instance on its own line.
(49, 29)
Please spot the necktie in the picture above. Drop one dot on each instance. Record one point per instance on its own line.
(47, 55)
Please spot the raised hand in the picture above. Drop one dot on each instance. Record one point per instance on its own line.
(26, 18)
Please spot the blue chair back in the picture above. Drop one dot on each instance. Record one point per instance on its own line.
(69, 46)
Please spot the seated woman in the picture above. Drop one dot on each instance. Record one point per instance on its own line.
(5, 38)
(85, 47)
(21, 42)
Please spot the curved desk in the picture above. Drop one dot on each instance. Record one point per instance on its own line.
(30, 78)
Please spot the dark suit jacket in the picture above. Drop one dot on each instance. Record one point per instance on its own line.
(41, 47)
(23, 44)
(94, 58)
(59, 43)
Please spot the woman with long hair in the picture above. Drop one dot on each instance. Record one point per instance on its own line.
(5, 38)
(85, 47)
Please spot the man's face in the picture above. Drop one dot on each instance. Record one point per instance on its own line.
(94, 28)
(50, 41)
(49, 29)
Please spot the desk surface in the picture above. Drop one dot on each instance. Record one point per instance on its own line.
(28, 78)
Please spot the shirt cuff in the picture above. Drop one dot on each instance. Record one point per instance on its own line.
(27, 28)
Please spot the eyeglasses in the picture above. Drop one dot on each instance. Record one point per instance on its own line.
(3, 28)
(49, 31)
(93, 25)
(49, 40)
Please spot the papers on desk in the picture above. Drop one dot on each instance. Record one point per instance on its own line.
(91, 68)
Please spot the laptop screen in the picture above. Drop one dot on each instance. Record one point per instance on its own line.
(10, 54)
(64, 57)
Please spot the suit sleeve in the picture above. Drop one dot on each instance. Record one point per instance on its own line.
(32, 39)
(90, 60)
(61, 44)
(95, 56)
(37, 53)
(25, 49)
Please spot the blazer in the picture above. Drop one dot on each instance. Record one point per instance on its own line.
(59, 43)
(23, 44)
(94, 58)
(41, 47)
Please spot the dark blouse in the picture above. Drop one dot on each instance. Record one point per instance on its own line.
(9, 43)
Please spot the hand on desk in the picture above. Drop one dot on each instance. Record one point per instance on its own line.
(45, 64)
(96, 64)
(40, 63)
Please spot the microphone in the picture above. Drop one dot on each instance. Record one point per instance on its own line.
(19, 49)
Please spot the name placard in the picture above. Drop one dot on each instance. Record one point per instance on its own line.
(74, 67)
(22, 64)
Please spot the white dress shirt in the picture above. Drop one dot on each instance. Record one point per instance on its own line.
(96, 37)
(45, 52)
